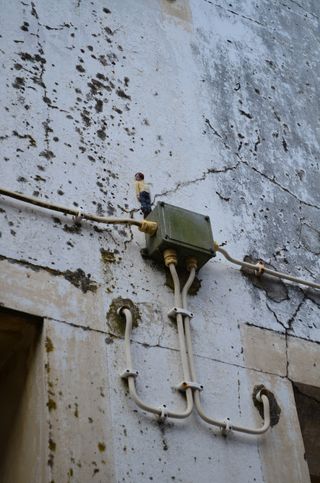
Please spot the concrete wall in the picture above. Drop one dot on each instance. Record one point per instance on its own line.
(216, 103)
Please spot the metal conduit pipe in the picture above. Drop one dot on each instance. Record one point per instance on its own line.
(143, 225)
(224, 425)
(130, 374)
(179, 319)
(182, 343)
(257, 267)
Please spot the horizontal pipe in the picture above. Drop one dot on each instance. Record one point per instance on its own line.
(234, 427)
(273, 273)
(70, 211)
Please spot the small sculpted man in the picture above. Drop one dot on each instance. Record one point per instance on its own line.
(143, 194)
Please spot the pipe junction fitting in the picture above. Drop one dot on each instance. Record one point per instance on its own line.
(170, 256)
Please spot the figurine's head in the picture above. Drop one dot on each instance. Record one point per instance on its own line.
(139, 176)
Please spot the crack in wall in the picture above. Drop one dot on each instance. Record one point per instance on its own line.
(288, 327)
(235, 13)
(257, 171)
(276, 317)
(276, 183)
(216, 133)
(293, 317)
(183, 184)
(302, 7)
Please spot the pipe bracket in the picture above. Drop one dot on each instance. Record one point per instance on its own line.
(79, 216)
(228, 427)
(260, 268)
(172, 314)
(184, 385)
(129, 373)
(164, 412)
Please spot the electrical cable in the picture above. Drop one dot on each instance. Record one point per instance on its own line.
(145, 226)
(260, 268)
(225, 425)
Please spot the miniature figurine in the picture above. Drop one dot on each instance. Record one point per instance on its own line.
(143, 194)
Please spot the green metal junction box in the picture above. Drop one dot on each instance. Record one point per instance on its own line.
(186, 232)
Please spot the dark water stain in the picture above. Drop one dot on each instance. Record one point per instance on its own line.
(116, 109)
(80, 68)
(47, 154)
(99, 105)
(101, 134)
(19, 83)
(75, 228)
(25, 27)
(32, 58)
(122, 94)
(49, 345)
(275, 289)
(85, 116)
(108, 256)
(246, 114)
(78, 278)
(95, 86)
(32, 141)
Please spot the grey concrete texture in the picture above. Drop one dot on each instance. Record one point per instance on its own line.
(217, 103)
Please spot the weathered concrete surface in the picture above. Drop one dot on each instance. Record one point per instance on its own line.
(78, 409)
(216, 103)
(43, 293)
(264, 350)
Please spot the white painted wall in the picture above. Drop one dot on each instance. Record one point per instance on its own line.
(221, 115)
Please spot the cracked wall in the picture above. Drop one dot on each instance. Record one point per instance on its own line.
(216, 103)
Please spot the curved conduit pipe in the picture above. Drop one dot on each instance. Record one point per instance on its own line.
(130, 374)
(225, 425)
(262, 269)
(145, 226)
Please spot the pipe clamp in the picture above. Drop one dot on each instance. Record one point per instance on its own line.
(178, 310)
(164, 412)
(184, 385)
(228, 427)
(129, 373)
